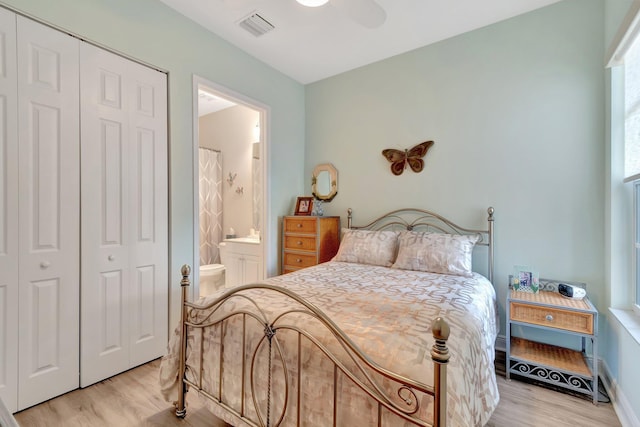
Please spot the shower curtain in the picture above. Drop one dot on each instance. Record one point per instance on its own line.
(210, 195)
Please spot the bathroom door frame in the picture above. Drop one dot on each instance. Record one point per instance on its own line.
(264, 112)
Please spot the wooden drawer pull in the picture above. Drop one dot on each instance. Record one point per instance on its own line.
(299, 242)
(299, 225)
(549, 317)
(298, 260)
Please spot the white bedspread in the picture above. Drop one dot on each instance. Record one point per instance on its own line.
(388, 314)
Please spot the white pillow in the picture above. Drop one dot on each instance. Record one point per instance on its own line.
(436, 252)
(368, 247)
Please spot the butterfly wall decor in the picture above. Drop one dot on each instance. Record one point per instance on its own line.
(413, 157)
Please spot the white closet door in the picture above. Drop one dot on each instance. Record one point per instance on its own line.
(8, 212)
(148, 210)
(124, 208)
(48, 123)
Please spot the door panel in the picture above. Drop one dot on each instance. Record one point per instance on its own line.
(111, 303)
(49, 215)
(149, 207)
(8, 212)
(124, 194)
(105, 222)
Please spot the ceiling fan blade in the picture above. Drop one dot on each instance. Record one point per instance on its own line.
(368, 13)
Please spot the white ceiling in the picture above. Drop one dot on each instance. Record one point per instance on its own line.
(310, 44)
(210, 103)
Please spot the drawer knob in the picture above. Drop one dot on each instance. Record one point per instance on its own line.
(549, 317)
(299, 242)
(298, 260)
(299, 225)
(45, 264)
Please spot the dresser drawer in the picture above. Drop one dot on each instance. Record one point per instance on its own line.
(552, 317)
(299, 260)
(300, 243)
(300, 225)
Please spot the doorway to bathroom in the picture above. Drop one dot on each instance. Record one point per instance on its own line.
(230, 176)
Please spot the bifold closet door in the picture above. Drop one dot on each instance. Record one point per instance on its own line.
(124, 214)
(8, 212)
(49, 191)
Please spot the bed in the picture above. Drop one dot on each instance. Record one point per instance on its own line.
(396, 330)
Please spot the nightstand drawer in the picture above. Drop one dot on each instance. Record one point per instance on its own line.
(302, 243)
(300, 225)
(552, 317)
(298, 260)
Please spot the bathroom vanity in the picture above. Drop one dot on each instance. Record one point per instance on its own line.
(242, 259)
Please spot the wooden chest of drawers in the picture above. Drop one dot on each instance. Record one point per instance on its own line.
(308, 240)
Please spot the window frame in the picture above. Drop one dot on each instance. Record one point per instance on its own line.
(635, 291)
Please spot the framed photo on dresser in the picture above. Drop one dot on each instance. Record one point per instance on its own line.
(304, 206)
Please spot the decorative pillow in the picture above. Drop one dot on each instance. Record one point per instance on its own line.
(368, 247)
(436, 253)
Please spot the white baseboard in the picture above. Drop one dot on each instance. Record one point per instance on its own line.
(620, 403)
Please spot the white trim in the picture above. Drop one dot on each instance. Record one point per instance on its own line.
(627, 33)
(632, 178)
(619, 401)
(265, 149)
(634, 230)
(629, 321)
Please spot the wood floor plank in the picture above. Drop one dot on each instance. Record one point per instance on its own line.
(133, 399)
(527, 405)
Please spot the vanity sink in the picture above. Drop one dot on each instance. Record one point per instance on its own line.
(253, 240)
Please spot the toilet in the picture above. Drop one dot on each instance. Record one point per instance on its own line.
(211, 278)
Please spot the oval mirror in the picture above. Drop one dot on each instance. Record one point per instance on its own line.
(324, 182)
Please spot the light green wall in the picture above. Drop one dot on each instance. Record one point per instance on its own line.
(151, 32)
(516, 111)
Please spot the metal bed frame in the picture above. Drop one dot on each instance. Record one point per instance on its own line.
(361, 370)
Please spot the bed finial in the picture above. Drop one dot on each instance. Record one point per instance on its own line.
(440, 329)
(349, 217)
(185, 271)
(490, 211)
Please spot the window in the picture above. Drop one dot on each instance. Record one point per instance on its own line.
(632, 112)
(625, 151)
(632, 152)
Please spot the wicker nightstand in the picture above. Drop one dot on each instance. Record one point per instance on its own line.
(559, 366)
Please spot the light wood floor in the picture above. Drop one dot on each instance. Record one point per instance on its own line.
(133, 399)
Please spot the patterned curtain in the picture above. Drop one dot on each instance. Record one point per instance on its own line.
(257, 191)
(210, 183)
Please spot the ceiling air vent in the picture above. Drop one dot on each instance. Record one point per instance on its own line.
(256, 24)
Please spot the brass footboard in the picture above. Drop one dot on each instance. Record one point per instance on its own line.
(356, 367)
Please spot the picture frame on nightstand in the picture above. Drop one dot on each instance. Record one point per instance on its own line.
(525, 279)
